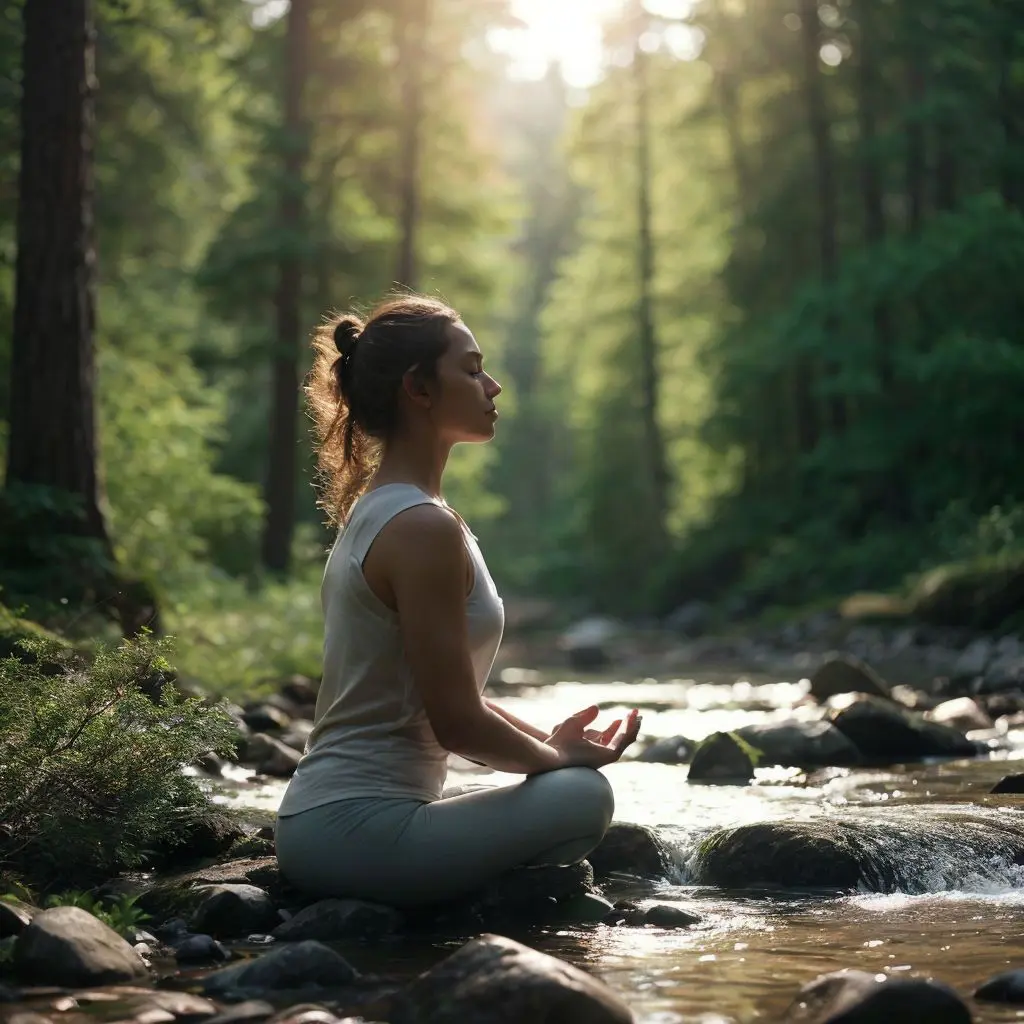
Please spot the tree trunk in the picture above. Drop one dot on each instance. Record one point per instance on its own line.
(52, 411)
(279, 493)
(659, 477)
(411, 26)
(824, 166)
(916, 167)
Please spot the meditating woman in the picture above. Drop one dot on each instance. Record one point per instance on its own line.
(412, 626)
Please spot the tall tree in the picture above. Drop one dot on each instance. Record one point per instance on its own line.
(279, 493)
(52, 445)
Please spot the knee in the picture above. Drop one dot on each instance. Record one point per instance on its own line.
(586, 793)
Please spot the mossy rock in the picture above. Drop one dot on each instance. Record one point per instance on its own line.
(984, 594)
(631, 850)
(882, 852)
(723, 758)
(13, 630)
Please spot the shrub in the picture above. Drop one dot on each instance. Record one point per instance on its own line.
(91, 773)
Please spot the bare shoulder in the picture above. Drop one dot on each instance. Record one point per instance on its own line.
(422, 536)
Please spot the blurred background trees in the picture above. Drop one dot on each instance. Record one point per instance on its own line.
(755, 289)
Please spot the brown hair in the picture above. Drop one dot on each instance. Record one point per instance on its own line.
(352, 388)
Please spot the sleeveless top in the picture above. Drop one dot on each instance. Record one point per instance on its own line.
(371, 736)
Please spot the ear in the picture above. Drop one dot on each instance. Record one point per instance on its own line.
(416, 389)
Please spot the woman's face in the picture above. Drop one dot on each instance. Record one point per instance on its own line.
(462, 397)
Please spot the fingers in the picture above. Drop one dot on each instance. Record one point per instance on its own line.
(629, 733)
(577, 723)
(609, 734)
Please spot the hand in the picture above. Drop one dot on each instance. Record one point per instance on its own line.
(593, 748)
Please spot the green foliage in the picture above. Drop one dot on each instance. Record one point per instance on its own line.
(91, 758)
(119, 913)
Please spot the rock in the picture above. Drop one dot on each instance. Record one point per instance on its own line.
(329, 920)
(843, 673)
(205, 833)
(251, 846)
(1009, 784)
(670, 750)
(27, 1017)
(913, 699)
(800, 744)
(297, 735)
(980, 595)
(722, 758)
(586, 643)
(584, 908)
(962, 713)
(690, 619)
(631, 850)
(884, 733)
(299, 965)
(263, 718)
(271, 756)
(971, 661)
(249, 1010)
(210, 764)
(15, 916)
(1002, 705)
(301, 690)
(1007, 987)
(498, 981)
(662, 915)
(871, 852)
(199, 949)
(232, 910)
(68, 946)
(857, 997)
(1005, 673)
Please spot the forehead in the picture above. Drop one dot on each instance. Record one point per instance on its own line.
(461, 341)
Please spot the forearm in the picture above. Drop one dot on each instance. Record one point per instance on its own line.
(530, 730)
(494, 741)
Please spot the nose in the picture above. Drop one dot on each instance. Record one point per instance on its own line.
(493, 387)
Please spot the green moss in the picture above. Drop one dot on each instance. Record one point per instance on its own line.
(985, 593)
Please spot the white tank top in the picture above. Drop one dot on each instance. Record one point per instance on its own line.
(371, 736)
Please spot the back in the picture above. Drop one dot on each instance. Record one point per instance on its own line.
(371, 736)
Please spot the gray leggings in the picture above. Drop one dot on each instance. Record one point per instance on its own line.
(406, 852)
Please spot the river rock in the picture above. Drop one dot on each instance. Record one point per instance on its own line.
(971, 661)
(799, 744)
(886, 734)
(1009, 784)
(243, 1013)
(180, 894)
(208, 832)
(844, 673)
(1006, 672)
(494, 980)
(587, 642)
(874, 852)
(663, 915)
(330, 920)
(1007, 987)
(234, 910)
(15, 916)
(962, 713)
(297, 735)
(857, 997)
(631, 850)
(668, 750)
(299, 965)
(68, 946)
(199, 949)
(270, 756)
(262, 718)
(301, 690)
(722, 759)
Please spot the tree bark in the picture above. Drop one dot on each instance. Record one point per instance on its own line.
(658, 468)
(824, 169)
(52, 441)
(411, 26)
(279, 493)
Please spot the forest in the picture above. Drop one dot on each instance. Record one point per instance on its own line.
(755, 295)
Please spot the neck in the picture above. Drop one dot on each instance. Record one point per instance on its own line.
(414, 459)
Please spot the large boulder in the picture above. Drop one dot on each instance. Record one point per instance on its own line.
(293, 967)
(877, 852)
(494, 980)
(885, 733)
(857, 997)
(180, 894)
(844, 673)
(1007, 987)
(799, 744)
(334, 919)
(630, 849)
(67, 946)
(723, 759)
(234, 910)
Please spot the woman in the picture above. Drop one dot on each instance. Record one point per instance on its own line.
(412, 625)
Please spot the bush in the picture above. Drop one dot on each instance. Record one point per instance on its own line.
(91, 773)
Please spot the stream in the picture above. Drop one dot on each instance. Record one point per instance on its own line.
(960, 921)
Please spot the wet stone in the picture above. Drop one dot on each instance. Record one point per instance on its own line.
(199, 949)
(669, 750)
(662, 915)
(296, 966)
(723, 760)
(242, 1013)
(857, 997)
(1007, 987)
(15, 916)
(333, 919)
(844, 673)
(233, 910)
(494, 980)
(266, 718)
(68, 946)
(631, 849)
(1009, 784)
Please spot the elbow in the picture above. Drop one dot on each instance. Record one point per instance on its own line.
(458, 733)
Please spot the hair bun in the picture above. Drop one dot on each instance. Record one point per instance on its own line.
(346, 333)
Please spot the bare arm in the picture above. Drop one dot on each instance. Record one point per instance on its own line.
(424, 556)
(530, 730)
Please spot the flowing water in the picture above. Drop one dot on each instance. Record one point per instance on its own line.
(960, 920)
